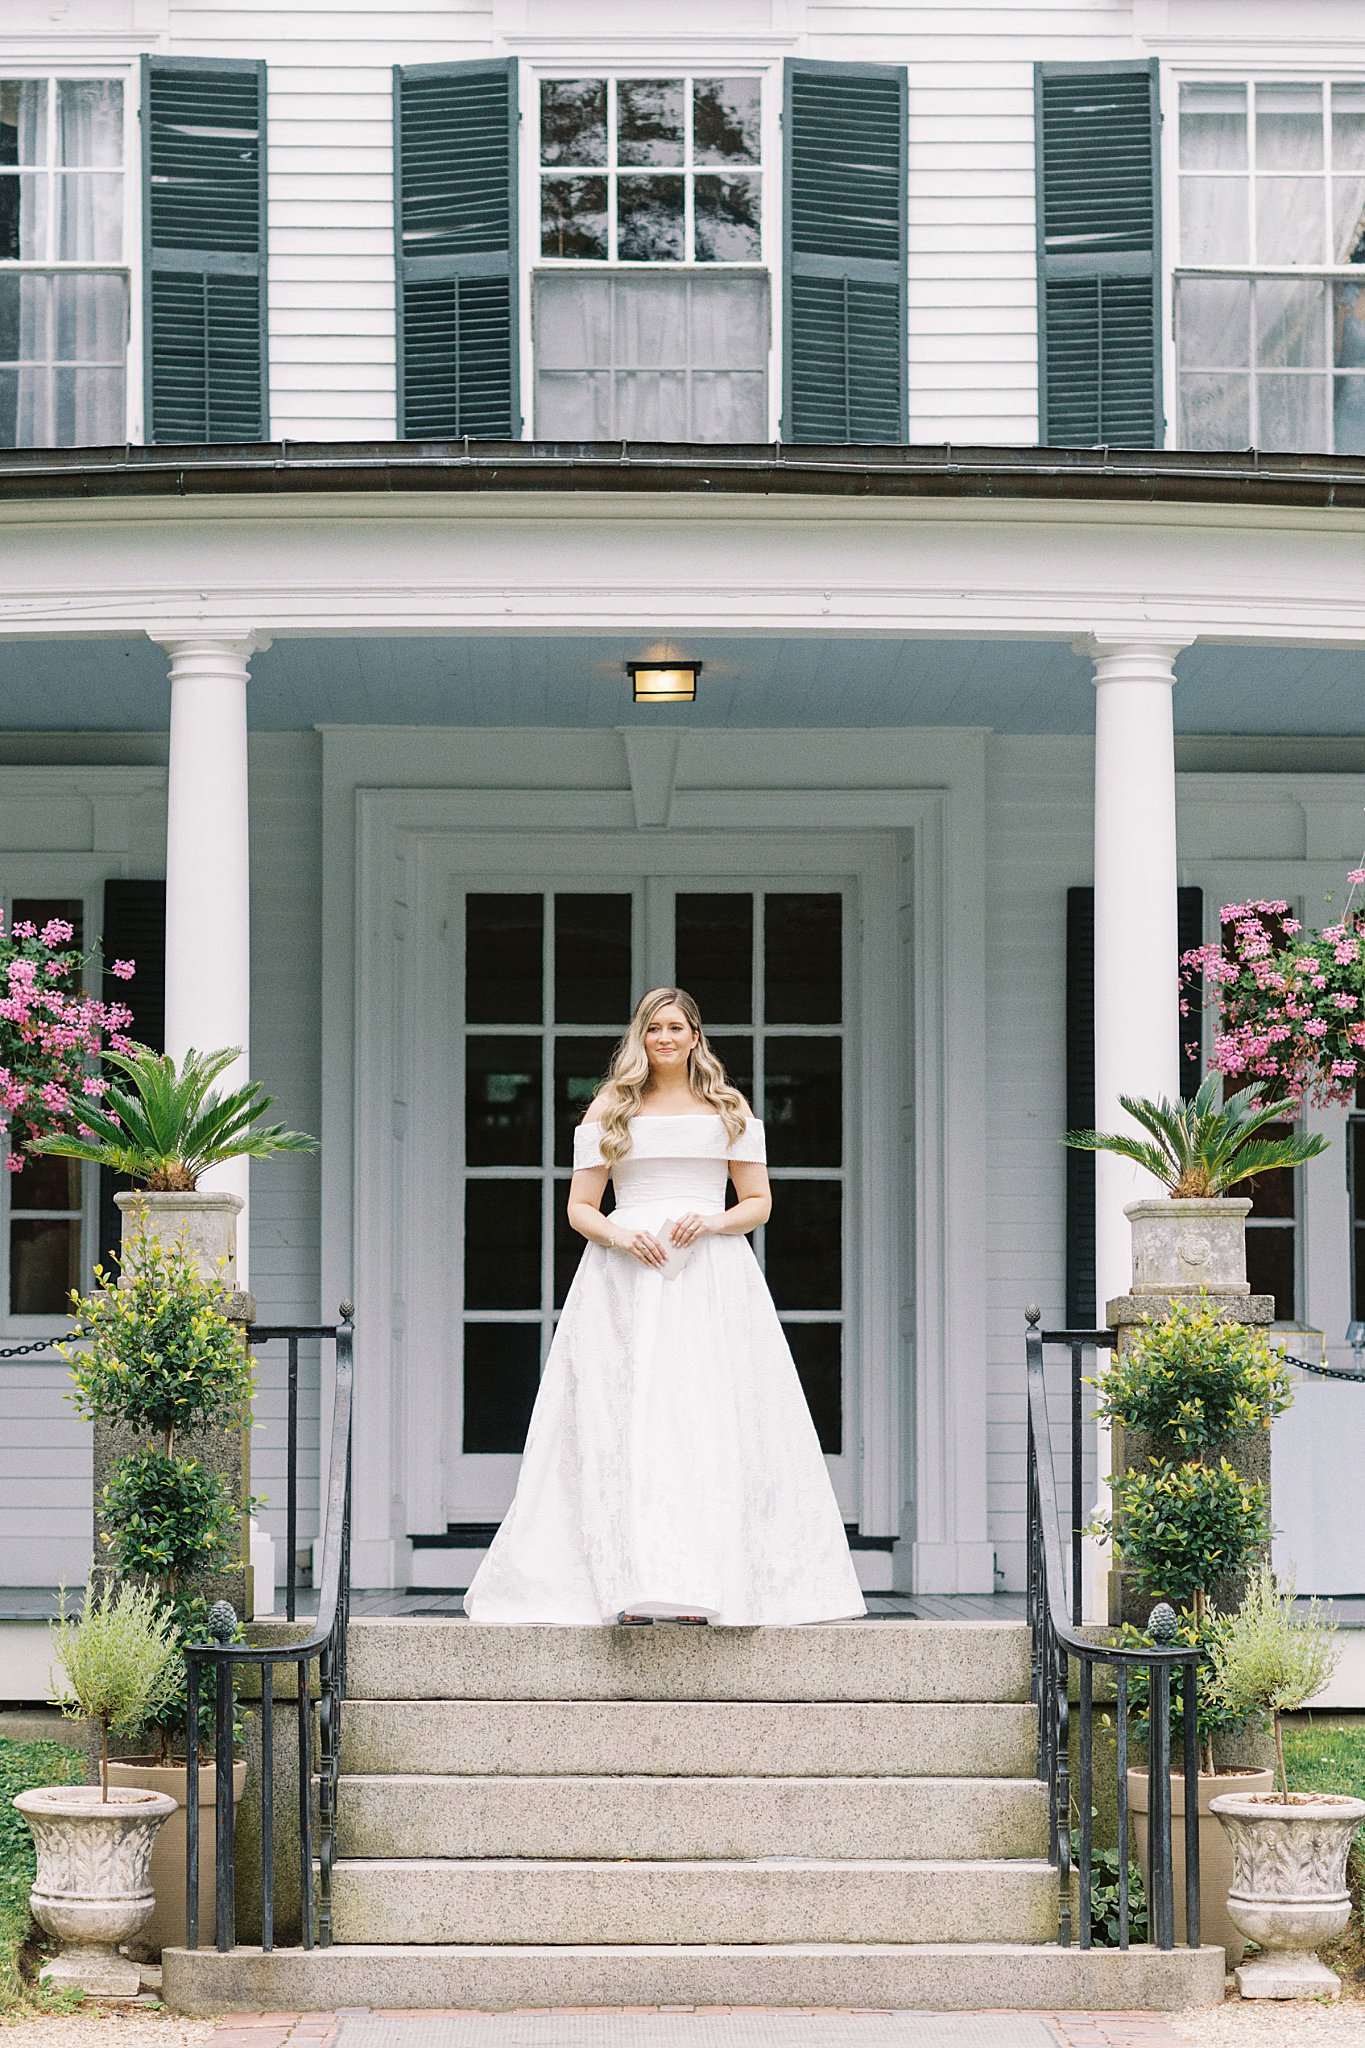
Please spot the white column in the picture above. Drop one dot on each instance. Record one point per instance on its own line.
(1137, 1017)
(208, 879)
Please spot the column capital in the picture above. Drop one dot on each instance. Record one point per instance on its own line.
(236, 646)
(1133, 657)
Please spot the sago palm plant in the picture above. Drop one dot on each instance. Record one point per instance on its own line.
(166, 1125)
(1203, 1147)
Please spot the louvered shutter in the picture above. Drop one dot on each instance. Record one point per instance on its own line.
(203, 151)
(1099, 295)
(455, 155)
(134, 928)
(1080, 1082)
(844, 303)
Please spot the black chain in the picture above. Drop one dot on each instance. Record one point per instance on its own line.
(23, 1350)
(1324, 1372)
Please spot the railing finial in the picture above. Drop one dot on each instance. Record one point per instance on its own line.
(348, 1311)
(1033, 1314)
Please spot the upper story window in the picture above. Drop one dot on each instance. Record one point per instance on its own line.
(63, 271)
(1270, 290)
(650, 312)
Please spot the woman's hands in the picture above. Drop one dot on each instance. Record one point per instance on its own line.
(690, 1227)
(644, 1246)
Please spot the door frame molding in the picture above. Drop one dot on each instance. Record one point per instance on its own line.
(922, 1414)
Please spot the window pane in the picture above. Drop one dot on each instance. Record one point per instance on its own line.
(728, 408)
(568, 1245)
(1348, 127)
(1270, 1268)
(649, 220)
(23, 217)
(735, 1052)
(714, 958)
(1289, 127)
(502, 1244)
(1348, 220)
(1348, 415)
(803, 1101)
(816, 1349)
(44, 1267)
(502, 1101)
(592, 960)
(573, 405)
(726, 120)
(1289, 324)
(1272, 1194)
(46, 1184)
(89, 321)
(1213, 220)
(580, 1065)
(1215, 412)
(87, 408)
(90, 122)
(573, 121)
(23, 121)
(651, 405)
(1293, 413)
(1355, 1138)
(573, 217)
(728, 322)
(503, 956)
(726, 212)
(501, 1379)
(649, 121)
(1289, 220)
(1215, 323)
(90, 218)
(40, 910)
(573, 321)
(801, 1244)
(803, 958)
(1213, 127)
(650, 321)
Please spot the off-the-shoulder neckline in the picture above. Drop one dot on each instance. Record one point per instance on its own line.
(644, 1117)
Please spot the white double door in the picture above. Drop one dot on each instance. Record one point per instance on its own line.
(541, 970)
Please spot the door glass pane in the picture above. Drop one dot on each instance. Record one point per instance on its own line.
(816, 1347)
(502, 1244)
(568, 1245)
(592, 960)
(503, 954)
(1270, 1266)
(803, 958)
(714, 960)
(40, 911)
(803, 1101)
(46, 1184)
(44, 1266)
(736, 1055)
(501, 1377)
(502, 1101)
(802, 1244)
(580, 1065)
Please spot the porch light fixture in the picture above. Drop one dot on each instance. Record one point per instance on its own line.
(663, 682)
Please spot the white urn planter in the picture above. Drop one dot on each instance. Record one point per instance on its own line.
(1289, 1886)
(93, 1886)
(208, 1223)
(1181, 1247)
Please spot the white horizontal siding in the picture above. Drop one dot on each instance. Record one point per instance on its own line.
(45, 1476)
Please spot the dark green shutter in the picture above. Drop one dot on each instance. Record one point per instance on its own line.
(1099, 289)
(844, 304)
(134, 928)
(455, 159)
(1080, 1082)
(203, 154)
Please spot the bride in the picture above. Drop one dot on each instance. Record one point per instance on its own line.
(672, 1471)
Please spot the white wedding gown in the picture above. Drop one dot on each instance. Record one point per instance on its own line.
(671, 1465)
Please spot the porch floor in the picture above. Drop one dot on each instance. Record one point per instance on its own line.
(389, 1604)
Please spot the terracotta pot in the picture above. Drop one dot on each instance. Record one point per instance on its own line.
(93, 1887)
(165, 1928)
(1183, 1247)
(208, 1223)
(1288, 1891)
(1215, 1851)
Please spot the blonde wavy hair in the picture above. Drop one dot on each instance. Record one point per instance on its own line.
(623, 1090)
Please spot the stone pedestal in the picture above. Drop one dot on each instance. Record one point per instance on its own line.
(1132, 1448)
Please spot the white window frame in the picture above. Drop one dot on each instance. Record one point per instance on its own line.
(48, 882)
(1295, 72)
(129, 76)
(769, 73)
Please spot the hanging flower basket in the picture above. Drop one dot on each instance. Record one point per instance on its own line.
(52, 1033)
(1289, 1002)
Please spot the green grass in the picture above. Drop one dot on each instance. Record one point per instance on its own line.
(1326, 1753)
(22, 1766)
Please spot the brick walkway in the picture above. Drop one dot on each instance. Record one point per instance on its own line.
(694, 2027)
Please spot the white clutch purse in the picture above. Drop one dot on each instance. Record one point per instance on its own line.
(677, 1254)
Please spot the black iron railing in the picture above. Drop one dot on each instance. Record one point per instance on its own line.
(220, 1666)
(1059, 1649)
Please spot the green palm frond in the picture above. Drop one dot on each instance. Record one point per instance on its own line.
(164, 1125)
(1202, 1147)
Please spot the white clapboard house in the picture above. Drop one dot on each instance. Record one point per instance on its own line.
(969, 401)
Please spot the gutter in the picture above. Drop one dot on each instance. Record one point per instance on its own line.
(292, 468)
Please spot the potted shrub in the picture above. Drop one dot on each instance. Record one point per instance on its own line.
(162, 1127)
(1186, 1525)
(1193, 1239)
(1289, 1849)
(159, 1357)
(120, 1656)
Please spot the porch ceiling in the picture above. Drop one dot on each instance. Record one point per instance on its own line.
(762, 682)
